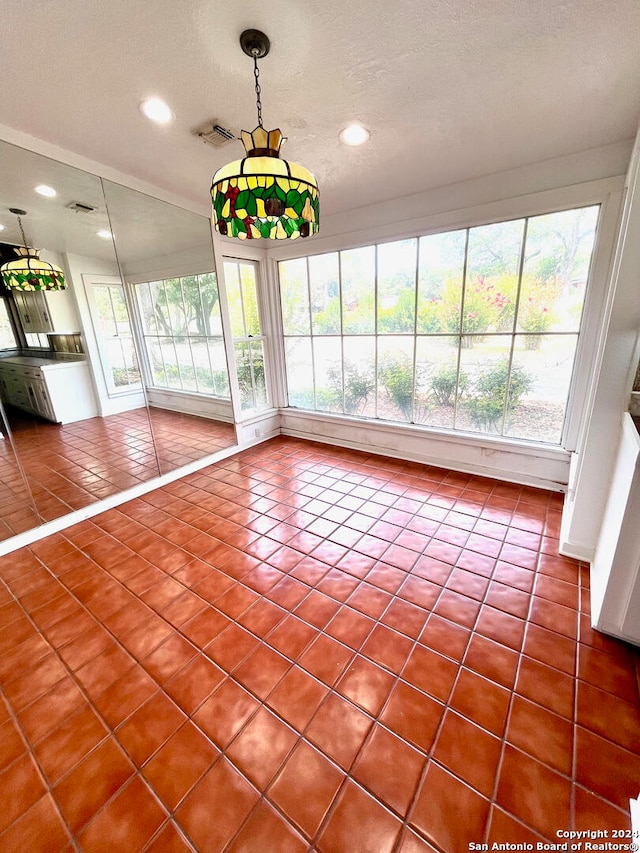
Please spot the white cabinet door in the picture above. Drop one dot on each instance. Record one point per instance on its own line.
(42, 312)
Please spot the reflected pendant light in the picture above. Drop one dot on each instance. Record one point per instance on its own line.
(263, 195)
(29, 272)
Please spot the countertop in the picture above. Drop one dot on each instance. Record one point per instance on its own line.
(33, 361)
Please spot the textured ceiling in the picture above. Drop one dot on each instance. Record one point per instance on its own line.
(450, 89)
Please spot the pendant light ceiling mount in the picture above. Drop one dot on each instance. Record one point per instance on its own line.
(263, 195)
(255, 44)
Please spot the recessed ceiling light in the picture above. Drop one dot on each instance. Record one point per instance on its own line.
(354, 134)
(106, 235)
(44, 190)
(156, 110)
(1, 227)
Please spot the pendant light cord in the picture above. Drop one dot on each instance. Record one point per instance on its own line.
(256, 74)
(24, 239)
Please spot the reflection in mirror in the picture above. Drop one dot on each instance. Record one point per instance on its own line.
(74, 442)
(167, 265)
(17, 509)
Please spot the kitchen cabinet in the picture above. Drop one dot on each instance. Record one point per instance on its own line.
(60, 391)
(43, 311)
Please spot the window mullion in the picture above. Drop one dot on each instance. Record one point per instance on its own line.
(515, 322)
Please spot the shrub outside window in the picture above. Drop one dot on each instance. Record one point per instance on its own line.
(472, 330)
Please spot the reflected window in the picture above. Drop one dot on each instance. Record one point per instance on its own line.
(110, 317)
(182, 334)
(240, 279)
(473, 330)
(7, 334)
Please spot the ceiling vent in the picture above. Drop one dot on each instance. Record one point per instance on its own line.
(80, 207)
(215, 134)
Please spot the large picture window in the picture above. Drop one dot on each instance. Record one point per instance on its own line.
(473, 330)
(182, 334)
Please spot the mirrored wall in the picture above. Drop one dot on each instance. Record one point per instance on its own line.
(123, 375)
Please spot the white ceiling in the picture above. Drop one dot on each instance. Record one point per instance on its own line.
(450, 89)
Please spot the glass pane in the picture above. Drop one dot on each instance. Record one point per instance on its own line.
(120, 311)
(484, 374)
(259, 379)
(294, 297)
(360, 376)
(218, 359)
(202, 368)
(154, 350)
(145, 299)
(437, 380)
(395, 378)
(440, 274)
(170, 359)
(328, 373)
(245, 374)
(185, 364)
(557, 258)
(299, 364)
(491, 286)
(249, 299)
(131, 362)
(107, 321)
(234, 298)
(397, 286)
(191, 306)
(210, 302)
(324, 283)
(542, 368)
(358, 268)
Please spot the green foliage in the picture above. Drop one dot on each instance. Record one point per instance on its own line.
(396, 375)
(327, 321)
(486, 405)
(400, 316)
(358, 384)
(445, 382)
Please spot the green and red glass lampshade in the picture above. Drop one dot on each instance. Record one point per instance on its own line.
(263, 195)
(30, 272)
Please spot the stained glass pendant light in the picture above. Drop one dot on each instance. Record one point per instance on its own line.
(263, 195)
(28, 271)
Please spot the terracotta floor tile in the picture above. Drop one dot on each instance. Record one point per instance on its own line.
(223, 715)
(412, 715)
(179, 764)
(503, 825)
(492, 660)
(607, 673)
(291, 637)
(555, 617)
(149, 727)
(350, 627)
(127, 822)
(369, 600)
(405, 617)
(431, 672)
(216, 808)
(457, 608)
(191, 685)
(326, 659)
(45, 714)
(39, 828)
(69, 743)
(412, 843)
(548, 687)
(338, 729)
(501, 627)
(169, 840)
(168, 658)
(12, 745)
(266, 830)
(387, 648)
(538, 795)
(550, 648)
(590, 811)
(605, 768)
(366, 684)
(261, 671)
(22, 787)
(92, 783)
(305, 788)
(231, 647)
(541, 734)
(377, 829)
(125, 696)
(317, 609)
(389, 768)
(440, 799)
(262, 617)
(445, 637)
(467, 583)
(469, 752)
(261, 747)
(482, 701)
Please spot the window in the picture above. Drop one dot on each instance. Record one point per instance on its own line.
(473, 330)
(7, 334)
(242, 295)
(110, 318)
(182, 334)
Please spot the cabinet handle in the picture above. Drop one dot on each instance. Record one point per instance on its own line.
(46, 317)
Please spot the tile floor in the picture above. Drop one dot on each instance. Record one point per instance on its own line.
(303, 648)
(72, 465)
